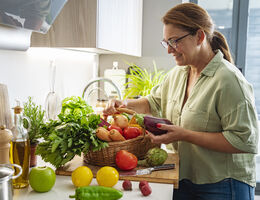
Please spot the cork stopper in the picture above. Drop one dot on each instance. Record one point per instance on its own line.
(17, 109)
(2, 127)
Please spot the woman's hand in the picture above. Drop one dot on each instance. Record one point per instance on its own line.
(175, 133)
(112, 105)
(213, 141)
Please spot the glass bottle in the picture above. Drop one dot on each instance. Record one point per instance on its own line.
(20, 148)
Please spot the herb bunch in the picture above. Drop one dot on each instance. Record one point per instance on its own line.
(35, 114)
(73, 133)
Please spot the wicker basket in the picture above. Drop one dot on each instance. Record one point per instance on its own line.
(106, 157)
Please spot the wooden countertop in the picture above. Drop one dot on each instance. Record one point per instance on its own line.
(165, 176)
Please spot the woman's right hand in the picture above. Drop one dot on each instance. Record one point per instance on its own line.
(112, 105)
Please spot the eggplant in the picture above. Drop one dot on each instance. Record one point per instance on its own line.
(103, 123)
(149, 123)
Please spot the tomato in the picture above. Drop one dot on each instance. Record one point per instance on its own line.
(115, 127)
(131, 132)
(125, 160)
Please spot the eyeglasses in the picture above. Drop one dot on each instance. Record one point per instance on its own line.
(172, 42)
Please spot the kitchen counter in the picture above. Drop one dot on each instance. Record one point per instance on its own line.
(64, 187)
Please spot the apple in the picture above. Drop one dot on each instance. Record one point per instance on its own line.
(42, 179)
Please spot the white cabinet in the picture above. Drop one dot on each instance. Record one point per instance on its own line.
(120, 26)
(113, 25)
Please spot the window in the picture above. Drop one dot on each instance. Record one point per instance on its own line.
(252, 69)
(222, 14)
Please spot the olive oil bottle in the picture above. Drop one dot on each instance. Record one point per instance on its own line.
(20, 149)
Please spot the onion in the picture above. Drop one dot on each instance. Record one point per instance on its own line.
(121, 121)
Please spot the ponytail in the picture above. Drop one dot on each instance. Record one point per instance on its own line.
(219, 41)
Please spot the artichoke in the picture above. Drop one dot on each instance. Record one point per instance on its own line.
(154, 157)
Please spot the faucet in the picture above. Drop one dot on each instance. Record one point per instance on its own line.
(98, 79)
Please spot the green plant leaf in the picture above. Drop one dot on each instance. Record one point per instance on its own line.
(73, 133)
(35, 114)
(141, 81)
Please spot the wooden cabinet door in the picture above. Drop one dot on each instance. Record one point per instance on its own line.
(75, 26)
(114, 25)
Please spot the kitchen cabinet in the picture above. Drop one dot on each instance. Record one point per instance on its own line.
(114, 26)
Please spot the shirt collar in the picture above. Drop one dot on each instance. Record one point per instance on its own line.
(213, 65)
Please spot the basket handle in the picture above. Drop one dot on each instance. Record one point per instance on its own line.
(122, 110)
(125, 110)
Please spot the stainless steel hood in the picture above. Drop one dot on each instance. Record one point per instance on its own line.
(35, 15)
(18, 18)
(14, 38)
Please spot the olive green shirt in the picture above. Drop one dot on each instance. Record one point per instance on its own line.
(221, 101)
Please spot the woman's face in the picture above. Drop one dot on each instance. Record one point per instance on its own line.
(184, 50)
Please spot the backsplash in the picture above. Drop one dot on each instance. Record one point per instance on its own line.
(28, 73)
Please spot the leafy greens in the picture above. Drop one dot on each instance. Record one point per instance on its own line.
(73, 133)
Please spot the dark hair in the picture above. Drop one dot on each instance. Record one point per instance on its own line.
(191, 17)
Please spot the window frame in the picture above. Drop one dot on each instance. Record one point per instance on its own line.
(239, 32)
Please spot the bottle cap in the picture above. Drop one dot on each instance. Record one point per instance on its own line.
(17, 109)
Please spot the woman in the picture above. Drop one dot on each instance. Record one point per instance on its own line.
(212, 108)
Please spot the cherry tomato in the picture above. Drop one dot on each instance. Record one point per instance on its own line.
(131, 132)
(125, 160)
(115, 127)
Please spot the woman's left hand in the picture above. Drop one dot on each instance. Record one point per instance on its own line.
(174, 133)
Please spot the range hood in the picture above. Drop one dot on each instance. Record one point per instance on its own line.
(22, 17)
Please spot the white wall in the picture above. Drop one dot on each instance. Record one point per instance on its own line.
(152, 34)
(153, 11)
(27, 73)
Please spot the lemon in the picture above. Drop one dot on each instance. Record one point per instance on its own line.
(107, 176)
(82, 176)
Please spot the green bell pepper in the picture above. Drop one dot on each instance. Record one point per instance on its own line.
(96, 193)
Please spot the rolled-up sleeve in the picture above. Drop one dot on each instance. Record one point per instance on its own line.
(154, 99)
(240, 127)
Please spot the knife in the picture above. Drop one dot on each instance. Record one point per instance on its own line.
(146, 170)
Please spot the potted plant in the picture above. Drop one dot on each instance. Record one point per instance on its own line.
(140, 81)
(35, 114)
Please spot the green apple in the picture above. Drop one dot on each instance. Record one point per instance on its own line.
(42, 179)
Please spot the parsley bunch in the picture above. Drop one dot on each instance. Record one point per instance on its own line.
(73, 133)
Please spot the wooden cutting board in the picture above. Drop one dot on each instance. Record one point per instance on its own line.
(164, 176)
